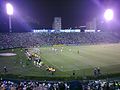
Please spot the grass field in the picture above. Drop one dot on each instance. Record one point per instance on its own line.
(66, 60)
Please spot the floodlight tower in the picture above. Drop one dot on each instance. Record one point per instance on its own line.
(9, 9)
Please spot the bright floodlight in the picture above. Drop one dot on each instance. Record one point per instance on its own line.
(108, 15)
(9, 8)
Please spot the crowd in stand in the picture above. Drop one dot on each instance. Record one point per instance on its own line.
(60, 85)
(12, 40)
(30, 85)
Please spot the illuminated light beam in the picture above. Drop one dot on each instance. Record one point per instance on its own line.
(108, 14)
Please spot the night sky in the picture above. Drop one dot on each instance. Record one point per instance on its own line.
(30, 14)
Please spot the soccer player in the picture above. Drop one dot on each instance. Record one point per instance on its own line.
(95, 72)
(5, 69)
(98, 71)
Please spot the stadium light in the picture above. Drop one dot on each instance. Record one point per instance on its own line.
(9, 8)
(108, 14)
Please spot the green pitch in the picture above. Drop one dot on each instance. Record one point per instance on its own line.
(65, 59)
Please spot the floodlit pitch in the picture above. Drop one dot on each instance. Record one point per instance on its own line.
(80, 59)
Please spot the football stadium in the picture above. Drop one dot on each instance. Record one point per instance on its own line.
(86, 57)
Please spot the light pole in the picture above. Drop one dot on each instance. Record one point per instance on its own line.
(9, 8)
